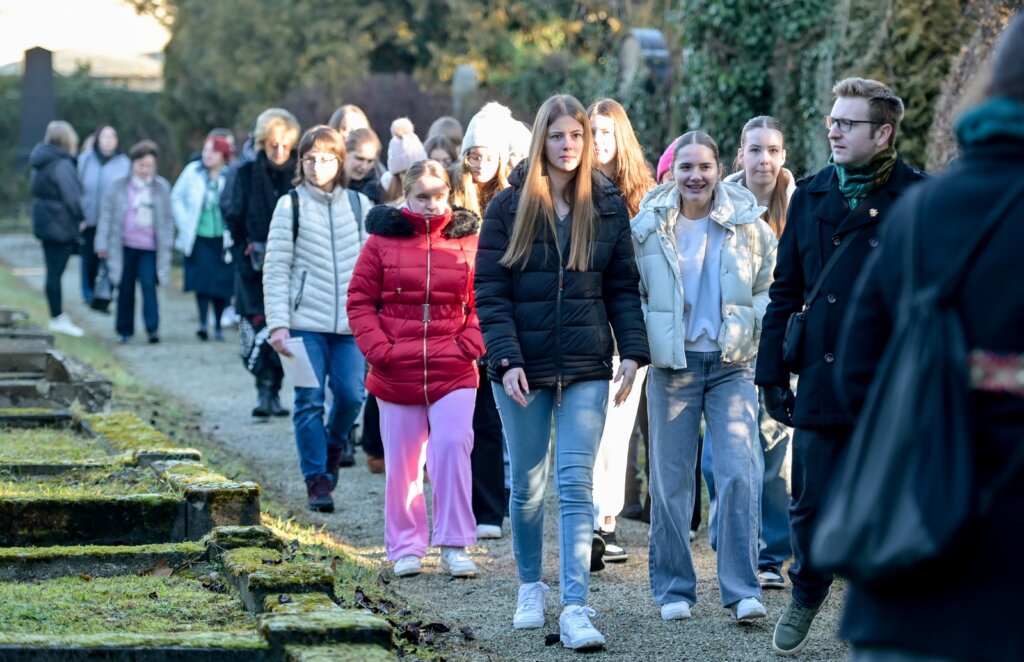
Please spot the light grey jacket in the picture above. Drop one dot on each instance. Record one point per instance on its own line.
(108, 228)
(305, 283)
(96, 177)
(747, 263)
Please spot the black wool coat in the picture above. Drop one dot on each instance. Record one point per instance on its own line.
(921, 613)
(559, 334)
(819, 220)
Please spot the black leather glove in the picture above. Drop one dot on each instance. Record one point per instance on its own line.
(779, 401)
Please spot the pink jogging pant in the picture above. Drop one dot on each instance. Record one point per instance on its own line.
(443, 434)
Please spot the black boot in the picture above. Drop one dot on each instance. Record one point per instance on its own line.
(334, 454)
(276, 408)
(263, 401)
(274, 378)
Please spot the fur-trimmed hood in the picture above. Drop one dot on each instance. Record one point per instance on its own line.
(389, 221)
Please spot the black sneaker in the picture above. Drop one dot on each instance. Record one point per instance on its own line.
(613, 551)
(597, 553)
(770, 577)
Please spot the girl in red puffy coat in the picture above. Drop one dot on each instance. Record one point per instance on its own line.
(411, 308)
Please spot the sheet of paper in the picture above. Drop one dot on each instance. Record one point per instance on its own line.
(297, 367)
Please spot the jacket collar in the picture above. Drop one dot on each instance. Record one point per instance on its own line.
(389, 221)
(834, 210)
(733, 205)
(319, 194)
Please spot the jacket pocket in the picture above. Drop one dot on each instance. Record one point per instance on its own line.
(301, 288)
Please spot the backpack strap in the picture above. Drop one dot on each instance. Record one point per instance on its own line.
(357, 209)
(295, 214)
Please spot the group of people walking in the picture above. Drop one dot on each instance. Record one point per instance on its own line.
(509, 294)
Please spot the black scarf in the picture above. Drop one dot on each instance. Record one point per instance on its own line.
(269, 182)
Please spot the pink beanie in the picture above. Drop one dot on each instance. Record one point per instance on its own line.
(665, 162)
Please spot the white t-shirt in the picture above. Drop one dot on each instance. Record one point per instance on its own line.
(699, 249)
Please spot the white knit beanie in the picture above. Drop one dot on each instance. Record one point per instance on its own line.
(519, 138)
(489, 128)
(405, 147)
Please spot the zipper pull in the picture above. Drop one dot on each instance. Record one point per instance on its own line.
(426, 312)
(561, 278)
(558, 398)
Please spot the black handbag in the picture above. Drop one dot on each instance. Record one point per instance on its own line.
(103, 289)
(793, 338)
(905, 488)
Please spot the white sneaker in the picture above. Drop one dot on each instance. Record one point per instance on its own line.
(675, 611)
(577, 632)
(456, 562)
(63, 324)
(693, 534)
(488, 532)
(229, 317)
(408, 566)
(748, 609)
(530, 606)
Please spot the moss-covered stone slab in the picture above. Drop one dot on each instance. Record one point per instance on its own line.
(83, 481)
(258, 572)
(117, 520)
(20, 563)
(124, 431)
(351, 626)
(122, 647)
(223, 538)
(54, 449)
(213, 500)
(28, 417)
(298, 603)
(338, 653)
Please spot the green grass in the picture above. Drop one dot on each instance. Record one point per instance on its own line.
(81, 483)
(141, 605)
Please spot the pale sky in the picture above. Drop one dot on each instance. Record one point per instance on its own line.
(107, 27)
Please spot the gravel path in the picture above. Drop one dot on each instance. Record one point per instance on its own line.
(210, 378)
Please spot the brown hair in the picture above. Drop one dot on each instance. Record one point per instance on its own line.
(359, 137)
(446, 126)
(694, 138)
(778, 203)
(883, 105)
(142, 149)
(535, 204)
(348, 109)
(441, 142)
(326, 139)
(421, 169)
(61, 134)
(632, 174)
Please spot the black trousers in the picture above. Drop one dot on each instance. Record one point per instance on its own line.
(487, 458)
(373, 444)
(90, 262)
(816, 453)
(56, 255)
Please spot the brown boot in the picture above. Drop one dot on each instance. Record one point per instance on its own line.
(375, 464)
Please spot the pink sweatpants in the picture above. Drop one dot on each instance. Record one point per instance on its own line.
(443, 433)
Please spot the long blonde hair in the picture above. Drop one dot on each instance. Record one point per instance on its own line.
(535, 204)
(472, 196)
(632, 173)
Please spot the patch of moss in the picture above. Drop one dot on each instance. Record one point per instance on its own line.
(185, 475)
(125, 431)
(9, 554)
(226, 640)
(343, 625)
(33, 411)
(82, 483)
(223, 538)
(298, 603)
(266, 569)
(43, 445)
(143, 605)
(338, 653)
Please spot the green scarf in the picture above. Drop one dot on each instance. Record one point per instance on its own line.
(993, 118)
(858, 183)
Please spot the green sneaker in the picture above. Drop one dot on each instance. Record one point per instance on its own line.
(794, 626)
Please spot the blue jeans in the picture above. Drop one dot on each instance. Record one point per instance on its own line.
(676, 399)
(579, 423)
(774, 546)
(336, 361)
(139, 265)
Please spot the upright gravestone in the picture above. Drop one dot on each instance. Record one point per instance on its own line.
(38, 101)
(465, 89)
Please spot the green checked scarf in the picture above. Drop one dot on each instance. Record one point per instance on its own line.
(858, 183)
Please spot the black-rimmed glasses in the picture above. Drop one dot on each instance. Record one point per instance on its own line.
(845, 125)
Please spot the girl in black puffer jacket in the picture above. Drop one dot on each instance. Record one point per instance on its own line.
(555, 276)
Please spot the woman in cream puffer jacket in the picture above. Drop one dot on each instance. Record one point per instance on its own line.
(306, 274)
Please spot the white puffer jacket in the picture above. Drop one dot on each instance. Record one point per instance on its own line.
(187, 199)
(305, 283)
(748, 260)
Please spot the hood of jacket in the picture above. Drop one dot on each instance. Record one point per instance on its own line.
(387, 221)
(733, 205)
(43, 154)
(602, 188)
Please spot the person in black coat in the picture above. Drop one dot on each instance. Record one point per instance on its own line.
(847, 202)
(934, 615)
(247, 205)
(56, 212)
(555, 276)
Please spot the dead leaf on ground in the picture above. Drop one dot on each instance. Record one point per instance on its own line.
(436, 628)
(271, 561)
(467, 633)
(283, 599)
(161, 569)
(85, 577)
(154, 596)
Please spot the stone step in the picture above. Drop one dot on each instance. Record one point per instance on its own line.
(257, 572)
(127, 647)
(22, 563)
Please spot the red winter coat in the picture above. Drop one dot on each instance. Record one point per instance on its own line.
(411, 306)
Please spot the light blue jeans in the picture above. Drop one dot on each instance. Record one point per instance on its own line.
(579, 423)
(338, 364)
(676, 399)
(774, 547)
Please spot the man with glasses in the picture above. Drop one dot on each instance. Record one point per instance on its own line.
(839, 211)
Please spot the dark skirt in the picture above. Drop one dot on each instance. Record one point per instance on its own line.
(205, 269)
